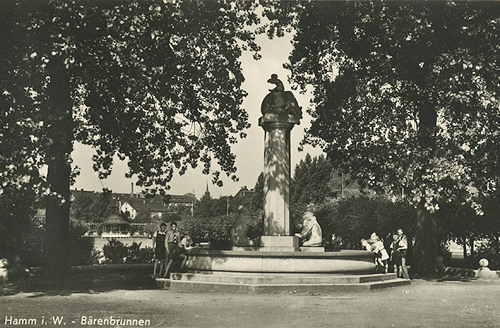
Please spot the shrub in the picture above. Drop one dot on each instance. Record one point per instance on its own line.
(115, 251)
(136, 254)
(216, 230)
(353, 218)
(80, 248)
(489, 251)
(31, 248)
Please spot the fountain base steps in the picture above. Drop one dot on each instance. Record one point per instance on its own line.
(277, 282)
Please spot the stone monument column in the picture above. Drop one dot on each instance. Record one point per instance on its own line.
(276, 175)
(280, 113)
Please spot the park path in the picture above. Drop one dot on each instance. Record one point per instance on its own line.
(474, 303)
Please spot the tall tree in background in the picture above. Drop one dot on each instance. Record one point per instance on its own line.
(257, 201)
(209, 207)
(157, 83)
(312, 180)
(406, 95)
(312, 183)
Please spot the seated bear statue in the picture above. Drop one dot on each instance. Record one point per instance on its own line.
(240, 229)
(311, 234)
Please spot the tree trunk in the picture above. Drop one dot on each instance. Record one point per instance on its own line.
(471, 241)
(426, 234)
(465, 248)
(425, 241)
(60, 134)
(57, 220)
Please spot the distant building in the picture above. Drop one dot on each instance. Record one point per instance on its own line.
(134, 204)
(244, 193)
(181, 200)
(80, 192)
(158, 206)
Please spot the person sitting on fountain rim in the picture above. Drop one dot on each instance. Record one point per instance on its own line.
(186, 243)
(174, 252)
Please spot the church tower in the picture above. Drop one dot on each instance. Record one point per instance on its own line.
(207, 193)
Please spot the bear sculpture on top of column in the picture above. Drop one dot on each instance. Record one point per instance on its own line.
(280, 102)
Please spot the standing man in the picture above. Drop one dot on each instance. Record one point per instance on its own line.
(402, 248)
(174, 252)
(159, 245)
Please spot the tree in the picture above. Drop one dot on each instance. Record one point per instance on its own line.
(490, 223)
(157, 83)
(312, 181)
(16, 212)
(349, 220)
(79, 209)
(257, 201)
(405, 95)
(208, 207)
(95, 208)
(103, 206)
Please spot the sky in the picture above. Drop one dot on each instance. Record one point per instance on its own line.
(249, 151)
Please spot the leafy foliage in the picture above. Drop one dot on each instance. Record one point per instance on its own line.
(138, 254)
(156, 82)
(93, 209)
(351, 219)
(257, 201)
(490, 251)
(387, 77)
(31, 248)
(80, 248)
(16, 213)
(209, 207)
(115, 251)
(216, 230)
(405, 95)
(312, 181)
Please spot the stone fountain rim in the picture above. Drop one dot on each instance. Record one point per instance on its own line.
(344, 254)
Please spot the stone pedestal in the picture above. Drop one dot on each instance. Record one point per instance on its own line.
(277, 172)
(279, 244)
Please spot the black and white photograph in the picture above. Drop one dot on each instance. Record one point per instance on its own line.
(211, 163)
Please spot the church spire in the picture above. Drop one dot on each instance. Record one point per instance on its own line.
(207, 192)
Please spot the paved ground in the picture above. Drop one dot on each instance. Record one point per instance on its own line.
(130, 294)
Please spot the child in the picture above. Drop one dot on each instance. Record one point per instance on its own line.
(382, 255)
(175, 253)
(402, 247)
(395, 255)
(186, 243)
(159, 238)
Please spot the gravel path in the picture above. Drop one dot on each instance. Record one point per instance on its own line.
(86, 298)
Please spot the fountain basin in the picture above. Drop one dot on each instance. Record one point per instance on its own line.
(343, 261)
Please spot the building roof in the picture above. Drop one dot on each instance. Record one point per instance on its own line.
(139, 204)
(244, 193)
(115, 219)
(142, 203)
(181, 199)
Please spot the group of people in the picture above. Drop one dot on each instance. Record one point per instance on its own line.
(169, 248)
(397, 256)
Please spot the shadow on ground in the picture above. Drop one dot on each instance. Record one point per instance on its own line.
(89, 280)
